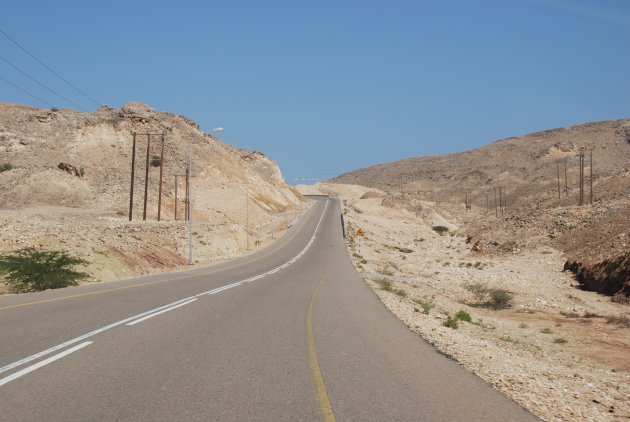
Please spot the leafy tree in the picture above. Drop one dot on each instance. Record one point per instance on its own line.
(30, 269)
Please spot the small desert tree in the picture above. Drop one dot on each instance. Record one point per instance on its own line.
(30, 269)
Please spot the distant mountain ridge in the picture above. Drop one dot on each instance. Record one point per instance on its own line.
(536, 178)
(516, 163)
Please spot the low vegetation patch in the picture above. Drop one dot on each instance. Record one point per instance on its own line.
(560, 340)
(463, 316)
(426, 304)
(385, 285)
(546, 331)
(619, 321)
(401, 293)
(441, 230)
(5, 167)
(451, 322)
(30, 269)
(490, 297)
(403, 250)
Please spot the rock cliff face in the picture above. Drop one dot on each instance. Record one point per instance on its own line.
(71, 169)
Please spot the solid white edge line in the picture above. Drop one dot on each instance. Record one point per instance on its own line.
(151, 311)
(45, 362)
(137, 321)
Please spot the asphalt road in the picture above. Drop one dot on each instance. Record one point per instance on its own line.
(289, 333)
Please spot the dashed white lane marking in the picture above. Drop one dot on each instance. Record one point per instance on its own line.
(83, 337)
(45, 362)
(156, 311)
(137, 321)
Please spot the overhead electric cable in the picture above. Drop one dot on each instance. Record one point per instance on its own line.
(51, 70)
(25, 91)
(41, 84)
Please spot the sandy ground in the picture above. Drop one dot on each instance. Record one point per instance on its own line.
(560, 352)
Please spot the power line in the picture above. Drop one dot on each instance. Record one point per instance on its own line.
(42, 85)
(25, 91)
(98, 103)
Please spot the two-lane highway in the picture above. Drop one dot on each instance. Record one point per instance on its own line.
(289, 333)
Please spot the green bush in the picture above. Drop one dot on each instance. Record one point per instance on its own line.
(5, 167)
(29, 270)
(451, 323)
(427, 304)
(500, 299)
(463, 316)
(489, 297)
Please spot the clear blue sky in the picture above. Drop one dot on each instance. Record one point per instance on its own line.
(325, 87)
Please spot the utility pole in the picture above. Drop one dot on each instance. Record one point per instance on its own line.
(581, 176)
(186, 216)
(175, 197)
(146, 179)
(247, 215)
(496, 209)
(161, 172)
(566, 183)
(188, 185)
(591, 195)
(558, 168)
(133, 167)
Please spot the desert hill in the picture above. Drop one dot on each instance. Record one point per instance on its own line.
(511, 187)
(69, 177)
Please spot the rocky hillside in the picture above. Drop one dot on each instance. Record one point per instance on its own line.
(70, 172)
(512, 190)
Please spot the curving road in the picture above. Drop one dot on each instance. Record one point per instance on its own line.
(289, 333)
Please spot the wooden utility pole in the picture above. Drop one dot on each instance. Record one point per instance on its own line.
(133, 167)
(566, 182)
(558, 168)
(175, 197)
(591, 195)
(161, 172)
(146, 179)
(187, 195)
(581, 176)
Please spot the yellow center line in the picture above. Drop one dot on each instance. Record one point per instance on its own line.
(318, 380)
(157, 281)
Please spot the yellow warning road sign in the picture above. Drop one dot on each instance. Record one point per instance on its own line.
(360, 232)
